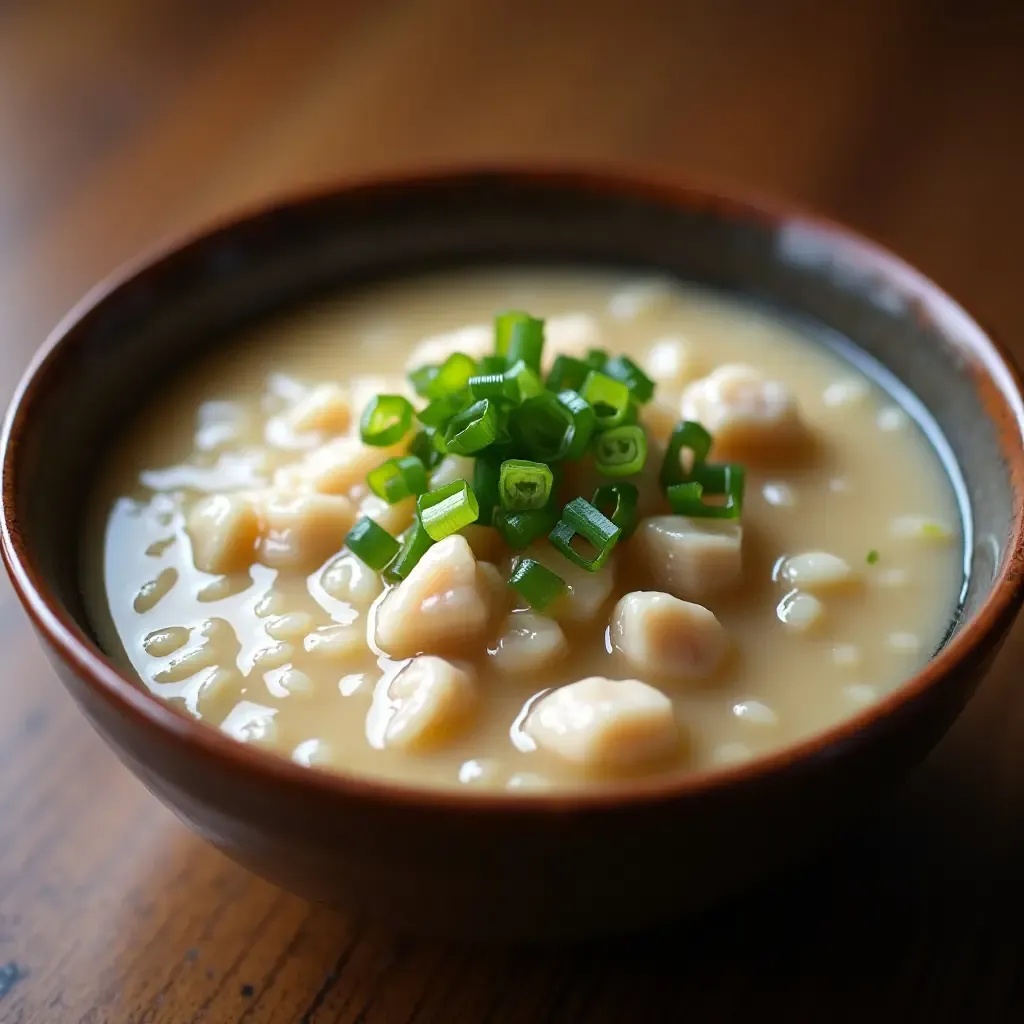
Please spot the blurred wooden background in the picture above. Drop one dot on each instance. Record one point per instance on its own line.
(122, 121)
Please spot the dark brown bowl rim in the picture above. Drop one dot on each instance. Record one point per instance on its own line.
(999, 384)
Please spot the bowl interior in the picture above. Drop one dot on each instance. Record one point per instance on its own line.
(124, 346)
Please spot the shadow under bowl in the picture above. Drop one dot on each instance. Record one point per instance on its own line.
(530, 865)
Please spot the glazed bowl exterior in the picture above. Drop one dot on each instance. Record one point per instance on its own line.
(529, 865)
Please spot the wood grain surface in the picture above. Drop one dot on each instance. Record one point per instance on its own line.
(122, 121)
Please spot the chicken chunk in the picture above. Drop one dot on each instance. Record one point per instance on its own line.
(249, 722)
(529, 642)
(496, 584)
(668, 361)
(450, 469)
(587, 591)
(348, 579)
(747, 414)
(431, 699)
(393, 518)
(817, 571)
(337, 643)
(224, 530)
(485, 541)
(288, 627)
(341, 464)
(325, 409)
(691, 558)
(301, 531)
(640, 298)
(659, 635)
(605, 723)
(443, 604)
(800, 612)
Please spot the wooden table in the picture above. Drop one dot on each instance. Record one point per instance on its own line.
(123, 121)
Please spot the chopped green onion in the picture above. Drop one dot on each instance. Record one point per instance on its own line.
(567, 373)
(437, 440)
(873, 557)
(494, 386)
(689, 436)
(491, 364)
(422, 378)
(524, 485)
(621, 451)
(415, 544)
(441, 410)
(544, 428)
(450, 378)
(520, 529)
(424, 448)
(486, 476)
(581, 519)
(609, 399)
(452, 375)
(398, 478)
(371, 544)
(596, 358)
(511, 386)
(584, 420)
(385, 420)
(618, 502)
(448, 509)
(527, 345)
(473, 429)
(527, 382)
(502, 438)
(519, 336)
(687, 498)
(641, 387)
(537, 583)
(516, 324)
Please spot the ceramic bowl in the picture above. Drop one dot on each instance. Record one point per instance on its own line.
(531, 865)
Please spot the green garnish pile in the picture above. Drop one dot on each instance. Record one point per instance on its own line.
(520, 428)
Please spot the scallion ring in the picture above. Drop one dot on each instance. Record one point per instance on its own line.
(472, 429)
(581, 519)
(486, 476)
(398, 479)
(520, 336)
(415, 544)
(438, 413)
(687, 436)
(448, 509)
(641, 387)
(424, 448)
(385, 420)
(520, 529)
(621, 451)
(567, 374)
(371, 544)
(524, 485)
(687, 498)
(618, 502)
(543, 428)
(584, 422)
(537, 583)
(609, 398)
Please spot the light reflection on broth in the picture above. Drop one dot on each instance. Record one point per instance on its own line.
(845, 580)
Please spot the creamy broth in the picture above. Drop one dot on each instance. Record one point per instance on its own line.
(284, 650)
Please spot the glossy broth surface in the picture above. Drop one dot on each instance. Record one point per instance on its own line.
(239, 650)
